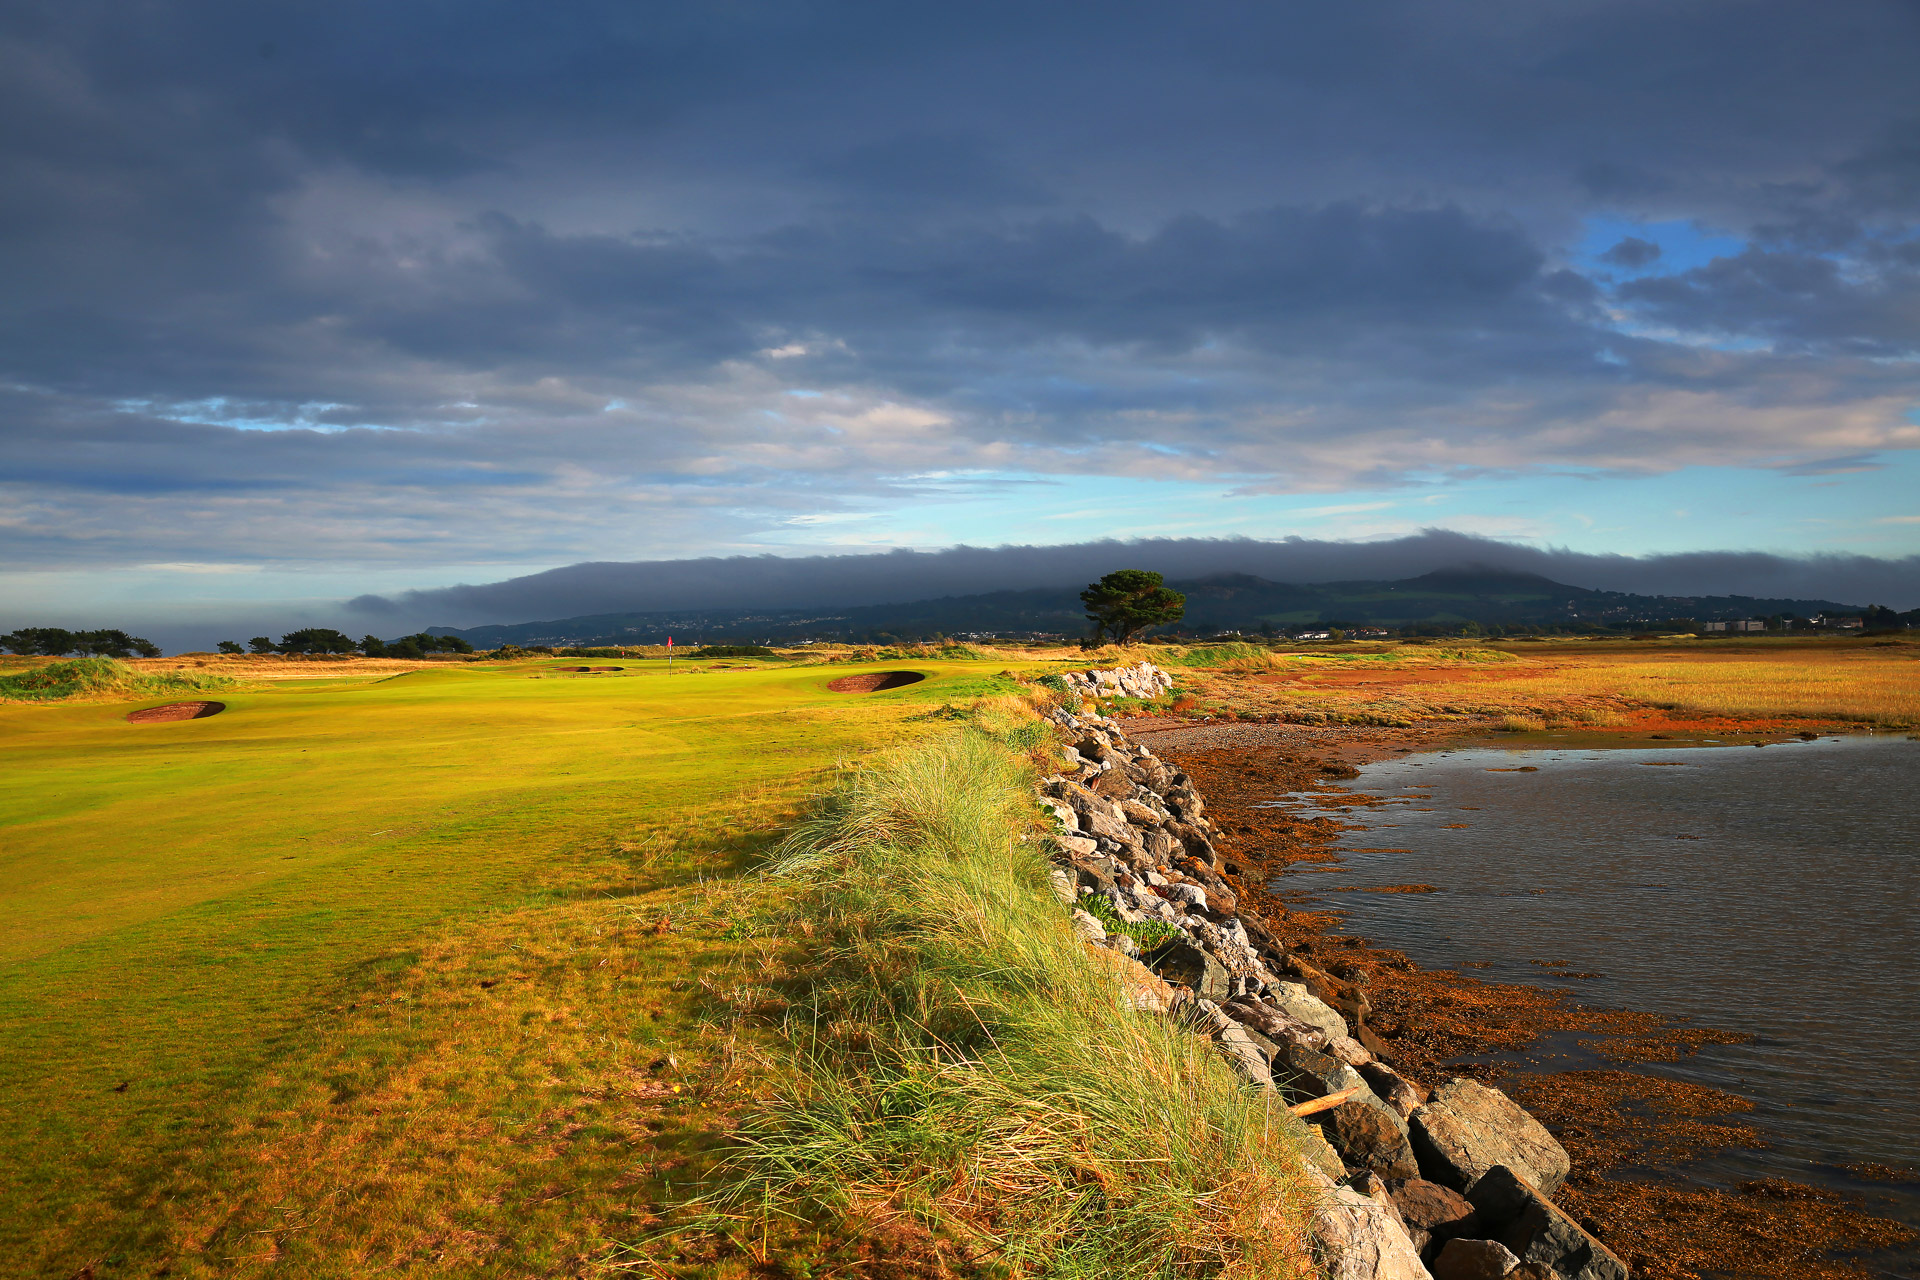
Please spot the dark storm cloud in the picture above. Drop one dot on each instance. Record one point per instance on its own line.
(768, 582)
(1285, 277)
(496, 264)
(1866, 304)
(1631, 251)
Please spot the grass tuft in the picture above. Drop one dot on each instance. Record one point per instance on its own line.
(966, 1064)
(84, 678)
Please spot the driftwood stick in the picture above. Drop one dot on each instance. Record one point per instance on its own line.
(1327, 1103)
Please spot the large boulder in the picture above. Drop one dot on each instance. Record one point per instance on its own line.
(1104, 822)
(1474, 1260)
(1349, 1051)
(1274, 1023)
(1370, 1135)
(1193, 842)
(1311, 1074)
(1539, 1233)
(1180, 962)
(1263, 942)
(1268, 1048)
(1243, 1055)
(1432, 1212)
(1189, 899)
(1093, 872)
(1160, 846)
(1391, 1087)
(1468, 1128)
(1362, 1239)
(1297, 1002)
(1150, 773)
(1070, 793)
(1340, 994)
(1319, 1153)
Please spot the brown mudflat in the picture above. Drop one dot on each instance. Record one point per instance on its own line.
(176, 711)
(874, 681)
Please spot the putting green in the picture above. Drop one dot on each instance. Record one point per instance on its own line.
(183, 899)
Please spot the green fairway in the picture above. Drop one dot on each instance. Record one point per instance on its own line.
(185, 901)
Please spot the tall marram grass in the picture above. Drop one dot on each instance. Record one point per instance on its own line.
(100, 678)
(966, 1062)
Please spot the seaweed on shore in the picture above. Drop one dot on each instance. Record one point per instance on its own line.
(1632, 1135)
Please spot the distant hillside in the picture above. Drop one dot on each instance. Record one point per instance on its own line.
(1228, 602)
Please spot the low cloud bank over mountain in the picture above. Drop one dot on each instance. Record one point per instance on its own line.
(770, 582)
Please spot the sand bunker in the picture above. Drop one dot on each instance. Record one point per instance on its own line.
(176, 711)
(874, 681)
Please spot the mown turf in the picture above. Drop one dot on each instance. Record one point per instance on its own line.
(222, 914)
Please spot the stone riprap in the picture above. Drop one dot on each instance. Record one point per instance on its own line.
(1468, 1129)
(1137, 867)
(1145, 681)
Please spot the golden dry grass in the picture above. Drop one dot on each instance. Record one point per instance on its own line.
(1578, 685)
(1832, 681)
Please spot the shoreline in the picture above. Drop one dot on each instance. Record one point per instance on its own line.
(1368, 744)
(1633, 1135)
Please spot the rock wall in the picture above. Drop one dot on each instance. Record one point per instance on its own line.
(1407, 1175)
(1143, 681)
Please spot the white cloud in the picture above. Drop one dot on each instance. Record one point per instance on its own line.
(192, 567)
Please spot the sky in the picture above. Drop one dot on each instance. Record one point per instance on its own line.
(313, 302)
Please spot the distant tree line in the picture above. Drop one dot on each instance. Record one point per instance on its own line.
(326, 640)
(58, 642)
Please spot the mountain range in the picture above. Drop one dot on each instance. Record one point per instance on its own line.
(1224, 602)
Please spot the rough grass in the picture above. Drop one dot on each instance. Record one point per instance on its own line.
(102, 678)
(1826, 681)
(1580, 685)
(970, 1067)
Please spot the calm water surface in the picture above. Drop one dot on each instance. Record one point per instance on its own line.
(1771, 891)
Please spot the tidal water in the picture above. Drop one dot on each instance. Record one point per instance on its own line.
(1771, 891)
